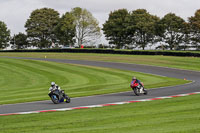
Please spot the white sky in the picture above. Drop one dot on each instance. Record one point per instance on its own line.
(15, 12)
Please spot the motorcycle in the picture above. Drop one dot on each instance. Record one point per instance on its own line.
(59, 96)
(139, 89)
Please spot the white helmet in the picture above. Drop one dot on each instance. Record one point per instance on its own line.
(53, 84)
(133, 78)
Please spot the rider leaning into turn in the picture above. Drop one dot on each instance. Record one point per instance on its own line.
(136, 84)
(135, 80)
(54, 86)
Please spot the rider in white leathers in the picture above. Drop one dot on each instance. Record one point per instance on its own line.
(54, 86)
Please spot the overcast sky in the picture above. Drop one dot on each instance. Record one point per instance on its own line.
(15, 12)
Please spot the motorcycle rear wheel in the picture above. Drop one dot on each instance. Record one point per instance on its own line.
(68, 100)
(145, 92)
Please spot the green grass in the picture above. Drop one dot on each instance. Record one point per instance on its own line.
(188, 63)
(177, 115)
(29, 80)
(22, 78)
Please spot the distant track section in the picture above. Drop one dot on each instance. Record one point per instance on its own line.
(186, 89)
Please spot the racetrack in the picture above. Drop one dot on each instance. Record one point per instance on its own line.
(110, 98)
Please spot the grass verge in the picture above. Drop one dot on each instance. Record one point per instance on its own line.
(188, 63)
(176, 115)
(29, 80)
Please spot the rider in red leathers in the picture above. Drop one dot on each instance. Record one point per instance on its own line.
(136, 83)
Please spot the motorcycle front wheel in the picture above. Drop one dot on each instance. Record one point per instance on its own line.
(136, 91)
(54, 99)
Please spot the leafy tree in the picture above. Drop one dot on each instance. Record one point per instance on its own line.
(65, 30)
(4, 35)
(19, 41)
(186, 36)
(143, 27)
(115, 28)
(40, 27)
(172, 27)
(87, 27)
(195, 28)
(160, 30)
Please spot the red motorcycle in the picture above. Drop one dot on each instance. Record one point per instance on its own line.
(138, 89)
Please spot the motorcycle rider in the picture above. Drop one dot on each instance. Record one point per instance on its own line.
(54, 86)
(135, 80)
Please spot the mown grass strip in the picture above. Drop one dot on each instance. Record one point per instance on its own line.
(174, 115)
(29, 80)
(188, 63)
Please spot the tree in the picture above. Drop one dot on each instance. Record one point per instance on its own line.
(172, 27)
(19, 41)
(65, 30)
(87, 27)
(195, 28)
(115, 28)
(143, 27)
(40, 27)
(4, 35)
(186, 36)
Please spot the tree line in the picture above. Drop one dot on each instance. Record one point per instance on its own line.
(123, 29)
(45, 29)
(139, 29)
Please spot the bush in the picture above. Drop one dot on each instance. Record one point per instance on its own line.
(112, 51)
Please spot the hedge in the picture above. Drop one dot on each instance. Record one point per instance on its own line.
(112, 51)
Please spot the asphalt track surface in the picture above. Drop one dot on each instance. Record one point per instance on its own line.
(115, 97)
